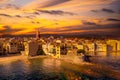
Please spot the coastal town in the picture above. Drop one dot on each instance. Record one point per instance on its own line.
(56, 46)
(59, 39)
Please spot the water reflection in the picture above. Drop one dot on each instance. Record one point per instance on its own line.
(107, 58)
(51, 64)
(43, 69)
(105, 54)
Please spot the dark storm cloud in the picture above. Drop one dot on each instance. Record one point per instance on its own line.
(35, 22)
(95, 27)
(18, 16)
(113, 19)
(115, 5)
(29, 16)
(54, 2)
(53, 12)
(12, 6)
(9, 30)
(118, 11)
(5, 15)
(109, 29)
(94, 10)
(50, 12)
(37, 13)
(43, 29)
(9, 6)
(104, 10)
(88, 23)
(108, 10)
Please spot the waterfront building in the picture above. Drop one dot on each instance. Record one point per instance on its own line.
(118, 45)
(20, 46)
(53, 48)
(1, 48)
(45, 49)
(63, 49)
(57, 47)
(101, 47)
(50, 47)
(91, 47)
(57, 54)
(11, 47)
(112, 45)
(31, 48)
(104, 47)
(69, 46)
(80, 46)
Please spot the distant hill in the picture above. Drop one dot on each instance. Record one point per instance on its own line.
(97, 36)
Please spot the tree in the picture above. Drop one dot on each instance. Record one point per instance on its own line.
(40, 52)
(79, 51)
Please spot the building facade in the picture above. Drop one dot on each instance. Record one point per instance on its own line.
(31, 48)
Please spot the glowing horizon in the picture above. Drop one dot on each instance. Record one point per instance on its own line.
(59, 16)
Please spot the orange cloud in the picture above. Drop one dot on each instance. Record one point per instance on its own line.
(55, 14)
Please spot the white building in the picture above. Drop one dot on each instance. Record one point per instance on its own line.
(45, 48)
(118, 45)
(101, 47)
(50, 47)
(57, 49)
(112, 45)
(91, 47)
(11, 47)
(80, 46)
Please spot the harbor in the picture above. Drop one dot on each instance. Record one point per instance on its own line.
(48, 68)
(59, 39)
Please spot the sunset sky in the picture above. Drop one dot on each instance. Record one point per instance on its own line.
(59, 16)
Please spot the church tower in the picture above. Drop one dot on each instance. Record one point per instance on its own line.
(38, 34)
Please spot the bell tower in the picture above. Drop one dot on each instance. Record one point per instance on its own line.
(37, 34)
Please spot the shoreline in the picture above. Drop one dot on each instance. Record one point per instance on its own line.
(96, 70)
(93, 67)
